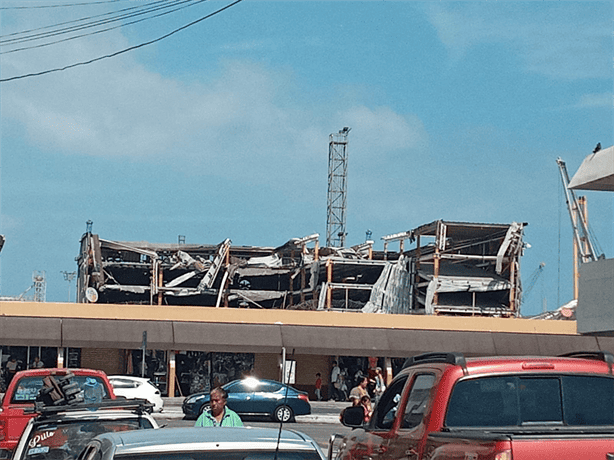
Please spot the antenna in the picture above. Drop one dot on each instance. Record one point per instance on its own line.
(40, 286)
(69, 276)
(337, 188)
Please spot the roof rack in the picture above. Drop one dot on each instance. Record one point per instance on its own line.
(604, 356)
(458, 359)
(139, 405)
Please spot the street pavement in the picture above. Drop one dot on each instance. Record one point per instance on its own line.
(321, 411)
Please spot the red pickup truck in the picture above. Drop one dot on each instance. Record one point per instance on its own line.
(443, 406)
(22, 392)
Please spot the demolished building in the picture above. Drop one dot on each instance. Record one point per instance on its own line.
(454, 268)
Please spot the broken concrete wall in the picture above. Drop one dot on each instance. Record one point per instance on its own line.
(455, 268)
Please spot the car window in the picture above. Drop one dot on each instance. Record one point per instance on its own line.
(123, 383)
(386, 409)
(239, 387)
(28, 387)
(269, 387)
(536, 400)
(227, 455)
(65, 441)
(417, 400)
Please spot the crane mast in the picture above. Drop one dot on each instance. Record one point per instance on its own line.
(579, 222)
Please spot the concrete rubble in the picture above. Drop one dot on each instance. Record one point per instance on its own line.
(453, 268)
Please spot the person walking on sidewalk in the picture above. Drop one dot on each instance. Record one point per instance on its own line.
(334, 383)
(319, 386)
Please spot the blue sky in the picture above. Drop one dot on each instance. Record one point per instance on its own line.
(458, 111)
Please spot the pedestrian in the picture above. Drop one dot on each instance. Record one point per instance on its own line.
(334, 382)
(319, 387)
(365, 402)
(380, 385)
(11, 368)
(37, 363)
(359, 391)
(219, 414)
(343, 388)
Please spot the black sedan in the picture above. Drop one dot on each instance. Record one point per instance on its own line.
(253, 396)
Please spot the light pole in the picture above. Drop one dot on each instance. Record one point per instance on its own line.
(69, 276)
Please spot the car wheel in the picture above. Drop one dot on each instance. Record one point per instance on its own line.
(204, 407)
(283, 414)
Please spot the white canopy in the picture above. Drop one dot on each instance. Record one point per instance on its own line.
(596, 172)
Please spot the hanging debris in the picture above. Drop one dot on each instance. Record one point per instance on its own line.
(466, 269)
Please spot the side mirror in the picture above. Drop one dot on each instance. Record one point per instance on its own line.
(353, 416)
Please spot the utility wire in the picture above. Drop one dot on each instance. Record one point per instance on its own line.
(76, 28)
(4, 39)
(57, 6)
(107, 56)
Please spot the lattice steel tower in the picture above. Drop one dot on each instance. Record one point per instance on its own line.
(337, 188)
(40, 286)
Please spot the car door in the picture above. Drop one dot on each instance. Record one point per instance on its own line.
(267, 396)
(373, 443)
(408, 440)
(240, 396)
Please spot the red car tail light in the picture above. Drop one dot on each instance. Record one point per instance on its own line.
(2, 435)
(304, 398)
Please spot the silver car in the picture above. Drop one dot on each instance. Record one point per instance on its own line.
(197, 443)
(63, 435)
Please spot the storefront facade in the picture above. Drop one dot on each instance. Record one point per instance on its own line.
(188, 348)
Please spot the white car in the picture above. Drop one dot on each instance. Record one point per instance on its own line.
(131, 387)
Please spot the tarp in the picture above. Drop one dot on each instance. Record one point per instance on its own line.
(596, 172)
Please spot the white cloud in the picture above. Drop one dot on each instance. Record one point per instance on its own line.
(562, 40)
(593, 100)
(382, 132)
(239, 119)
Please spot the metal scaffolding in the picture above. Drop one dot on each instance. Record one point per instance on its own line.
(337, 188)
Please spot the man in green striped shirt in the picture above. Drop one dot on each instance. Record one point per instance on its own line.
(219, 414)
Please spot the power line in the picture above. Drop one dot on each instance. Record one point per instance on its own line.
(98, 23)
(107, 56)
(30, 7)
(71, 22)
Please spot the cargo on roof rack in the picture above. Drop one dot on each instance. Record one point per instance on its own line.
(139, 405)
(458, 359)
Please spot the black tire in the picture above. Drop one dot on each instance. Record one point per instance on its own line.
(283, 414)
(204, 407)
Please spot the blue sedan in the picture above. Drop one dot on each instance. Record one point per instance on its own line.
(252, 396)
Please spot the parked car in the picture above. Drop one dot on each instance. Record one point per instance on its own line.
(253, 396)
(61, 433)
(131, 387)
(443, 406)
(203, 444)
(22, 392)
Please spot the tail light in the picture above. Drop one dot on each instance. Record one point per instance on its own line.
(504, 455)
(2, 435)
(303, 397)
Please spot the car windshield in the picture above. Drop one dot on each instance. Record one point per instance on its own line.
(66, 441)
(28, 387)
(226, 455)
(564, 400)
